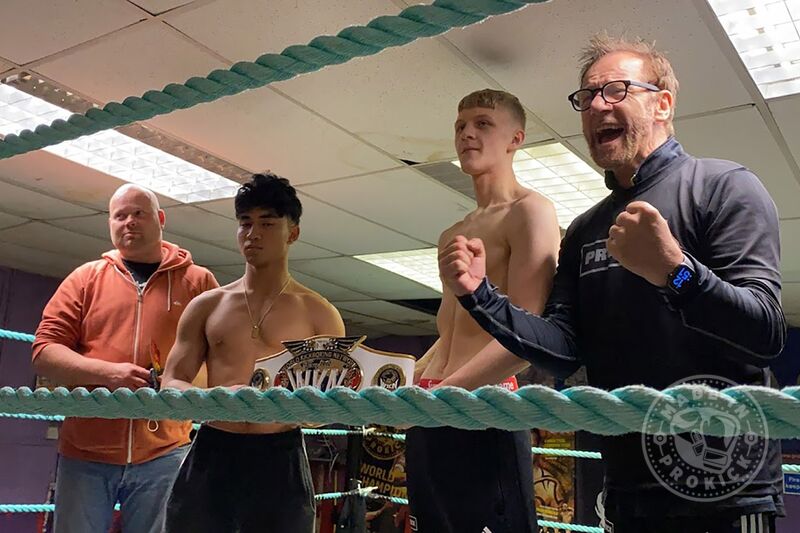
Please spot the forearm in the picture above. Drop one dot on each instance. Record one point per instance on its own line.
(67, 367)
(175, 383)
(492, 365)
(541, 342)
(746, 317)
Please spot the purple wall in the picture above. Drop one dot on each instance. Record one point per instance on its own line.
(27, 458)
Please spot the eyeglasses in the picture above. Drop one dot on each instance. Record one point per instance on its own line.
(612, 92)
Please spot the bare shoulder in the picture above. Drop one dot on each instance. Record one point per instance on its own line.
(318, 311)
(450, 233)
(311, 300)
(533, 205)
(207, 301)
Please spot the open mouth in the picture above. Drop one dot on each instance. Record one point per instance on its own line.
(607, 135)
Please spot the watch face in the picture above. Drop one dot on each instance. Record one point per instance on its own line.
(681, 278)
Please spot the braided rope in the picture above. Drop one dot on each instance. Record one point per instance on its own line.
(363, 492)
(607, 413)
(558, 452)
(15, 335)
(570, 527)
(356, 41)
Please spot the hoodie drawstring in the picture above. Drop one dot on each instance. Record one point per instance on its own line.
(169, 290)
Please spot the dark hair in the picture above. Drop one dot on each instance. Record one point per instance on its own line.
(271, 192)
(491, 99)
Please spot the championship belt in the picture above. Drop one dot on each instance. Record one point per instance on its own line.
(326, 362)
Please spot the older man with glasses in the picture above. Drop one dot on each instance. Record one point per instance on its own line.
(673, 278)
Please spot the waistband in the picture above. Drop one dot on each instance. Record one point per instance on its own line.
(508, 384)
(212, 435)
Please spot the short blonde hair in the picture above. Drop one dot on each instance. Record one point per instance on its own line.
(603, 44)
(490, 98)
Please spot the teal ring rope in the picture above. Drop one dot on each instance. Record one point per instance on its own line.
(49, 508)
(602, 412)
(356, 41)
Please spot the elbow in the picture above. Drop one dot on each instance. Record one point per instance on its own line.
(40, 361)
(777, 338)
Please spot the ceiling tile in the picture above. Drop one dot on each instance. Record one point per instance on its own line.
(260, 130)
(156, 7)
(30, 204)
(64, 179)
(395, 198)
(124, 64)
(363, 277)
(352, 319)
(92, 225)
(534, 52)
(7, 220)
(203, 253)
(790, 250)
(5, 65)
(303, 250)
(409, 119)
(32, 30)
(721, 136)
(222, 207)
(787, 113)
(192, 222)
(269, 27)
(330, 291)
(36, 261)
(48, 238)
(333, 229)
(387, 311)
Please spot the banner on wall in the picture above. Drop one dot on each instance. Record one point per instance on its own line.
(383, 464)
(554, 478)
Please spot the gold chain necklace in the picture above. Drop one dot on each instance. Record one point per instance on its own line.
(255, 331)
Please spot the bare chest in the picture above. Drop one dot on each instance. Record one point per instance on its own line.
(492, 229)
(232, 334)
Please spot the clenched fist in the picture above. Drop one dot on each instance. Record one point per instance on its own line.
(642, 243)
(462, 265)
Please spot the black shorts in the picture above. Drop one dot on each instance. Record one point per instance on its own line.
(243, 482)
(462, 481)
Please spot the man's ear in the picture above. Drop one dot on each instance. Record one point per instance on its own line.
(294, 233)
(664, 106)
(518, 140)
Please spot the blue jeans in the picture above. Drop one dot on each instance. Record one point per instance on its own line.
(86, 493)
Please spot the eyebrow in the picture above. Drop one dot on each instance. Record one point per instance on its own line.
(260, 217)
(476, 117)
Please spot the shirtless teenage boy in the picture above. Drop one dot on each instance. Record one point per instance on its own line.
(243, 476)
(463, 481)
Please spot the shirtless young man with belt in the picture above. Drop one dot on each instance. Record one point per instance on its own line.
(244, 476)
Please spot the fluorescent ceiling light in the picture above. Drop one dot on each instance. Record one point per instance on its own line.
(114, 153)
(766, 33)
(560, 175)
(421, 266)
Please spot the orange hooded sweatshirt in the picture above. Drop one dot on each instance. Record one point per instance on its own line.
(100, 312)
